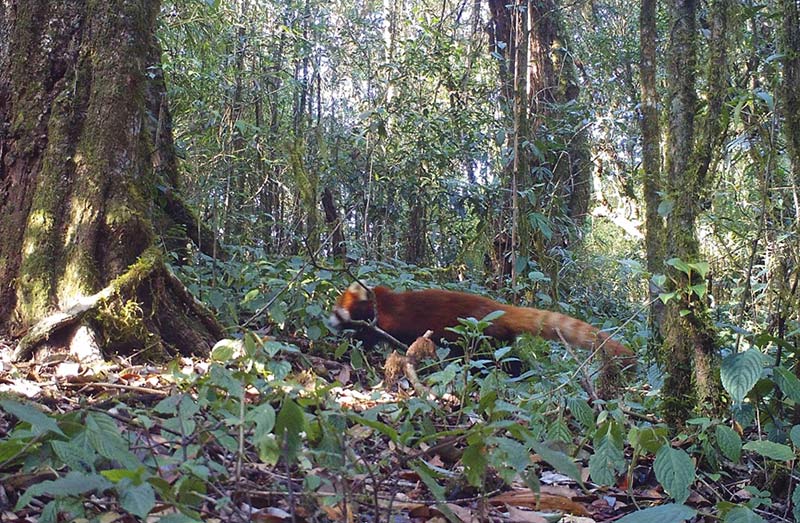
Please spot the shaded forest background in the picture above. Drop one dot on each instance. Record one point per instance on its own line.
(401, 132)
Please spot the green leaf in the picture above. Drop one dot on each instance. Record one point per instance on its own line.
(75, 457)
(492, 316)
(670, 513)
(582, 412)
(541, 223)
(796, 502)
(771, 450)
(559, 461)
(739, 372)
(224, 350)
(700, 268)
(139, 500)
(742, 515)
(383, 428)
(699, 289)
(40, 422)
(73, 484)
(425, 474)
(117, 475)
(648, 439)
(264, 418)
(12, 448)
(680, 265)
(665, 208)
(666, 296)
(474, 460)
(794, 435)
(290, 422)
(103, 434)
(607, 460)
(728, 442)
(788, 383)
(675, 471)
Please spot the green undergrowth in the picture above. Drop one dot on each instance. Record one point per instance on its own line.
(259, 426)
(252, 423)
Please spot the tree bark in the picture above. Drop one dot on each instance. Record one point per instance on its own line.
(536, 75)
(88, 177)
(689, 353)
(651, 160)
(790, 111)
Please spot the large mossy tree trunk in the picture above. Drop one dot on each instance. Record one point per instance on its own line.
(87, 182)
(689, 353)
(790, 111)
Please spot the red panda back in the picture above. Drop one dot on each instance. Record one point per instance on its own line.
(407, 315)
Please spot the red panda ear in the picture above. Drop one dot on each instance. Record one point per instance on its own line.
(359, 290)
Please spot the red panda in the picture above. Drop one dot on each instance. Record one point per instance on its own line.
(407, 315)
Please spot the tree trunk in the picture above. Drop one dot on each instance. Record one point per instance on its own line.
(790, 109)
(536, 74)
(689, 352)
(651, 161)
(87, 175)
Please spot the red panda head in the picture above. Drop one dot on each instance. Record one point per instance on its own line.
(353, 305)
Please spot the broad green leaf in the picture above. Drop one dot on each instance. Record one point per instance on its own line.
(74, 456)
(139, 500)
(666, 296)
(771, 450)
(424, 473)
(788, 383)
(178, 518)
(669, 513)
(264, 418)
(117, 475)
(659, 280)
(39, 421)
(582, 412)
(739, 372)
(104, 436)
(73, 484)
(12, 448)
(474, 460)
(665, 208)
(700, 268)
(558, 430)
(796, 502)
(699, 289)
(742, 515)
(680, 265)
(224, 350)
(675, 471)
(607, 461)
(168, 405)
(648, 439)
(492, 316)
(289, 423)
(728, 442)
(559, 461)
(794, 435)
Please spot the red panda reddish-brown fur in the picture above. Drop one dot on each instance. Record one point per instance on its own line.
(407, 315)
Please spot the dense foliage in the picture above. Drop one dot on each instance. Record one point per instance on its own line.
(326, 141)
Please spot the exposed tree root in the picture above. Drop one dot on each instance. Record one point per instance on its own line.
(147, 307)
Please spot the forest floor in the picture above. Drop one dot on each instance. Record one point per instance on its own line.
(241, 486)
